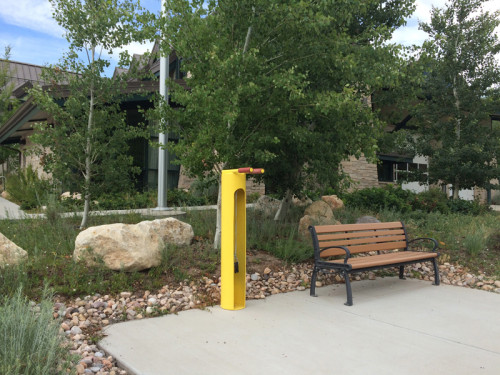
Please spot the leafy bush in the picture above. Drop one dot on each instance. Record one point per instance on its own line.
(207, 188)
(432, 200)
(388, 197)
(30, 342)
(461, 206)
(395, 198)
(179, 198)
(27, 188)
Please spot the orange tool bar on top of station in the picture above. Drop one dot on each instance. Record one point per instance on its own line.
(249, 170)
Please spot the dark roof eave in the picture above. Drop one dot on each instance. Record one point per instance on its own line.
(27, 110)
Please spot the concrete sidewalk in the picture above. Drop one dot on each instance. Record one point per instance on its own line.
(395, 327)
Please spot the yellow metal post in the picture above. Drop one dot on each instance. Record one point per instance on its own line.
(233, 237)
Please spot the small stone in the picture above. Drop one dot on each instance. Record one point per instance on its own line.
(255, 277)
(319, 284)
(75, 330)
(267, 271)
(125, 294)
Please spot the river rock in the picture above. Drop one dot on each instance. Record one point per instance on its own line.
(131, 247)
(10, 253)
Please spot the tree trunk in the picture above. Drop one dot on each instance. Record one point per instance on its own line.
(88, 150)
(284, 207)
(456, 184)
(217, 237)
(456, 189)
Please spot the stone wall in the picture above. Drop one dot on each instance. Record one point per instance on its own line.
(363, 173)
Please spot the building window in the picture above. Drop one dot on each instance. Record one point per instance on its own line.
(398, 169)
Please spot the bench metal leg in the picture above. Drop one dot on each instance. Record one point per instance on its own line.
(402, 272)
(436, 271)
(348, 289)
(313, 283)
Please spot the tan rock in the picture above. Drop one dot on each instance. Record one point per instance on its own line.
(320, 210)
(304, 202)
(130, 247)
(318, 213)
(10, 253)
(333, 201)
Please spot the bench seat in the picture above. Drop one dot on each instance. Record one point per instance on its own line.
(388, 259)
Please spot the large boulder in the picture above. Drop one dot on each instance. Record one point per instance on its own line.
(320, 210)
(318, 213)
(308, 220)
(10, 253)
(131, 247)
(267, 206)
(301, 202)
(333, 201)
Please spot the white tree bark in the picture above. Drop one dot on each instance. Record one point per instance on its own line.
(88, 150)
(284, 207)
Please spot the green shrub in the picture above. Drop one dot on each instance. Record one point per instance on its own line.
(30, 342)
(207, 188)
(461, 206)
(122, 201)
(180, 198)
(431, 201)
(27, 188)
(476, 241)
(388, 197)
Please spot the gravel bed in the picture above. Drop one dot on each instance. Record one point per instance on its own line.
(83, 319)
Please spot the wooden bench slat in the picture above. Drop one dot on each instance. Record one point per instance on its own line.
(356, 227)
(325, 237)
(364, 248)
(366, 240)
(386, 259)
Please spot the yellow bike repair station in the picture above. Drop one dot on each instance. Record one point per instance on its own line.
(233, 237)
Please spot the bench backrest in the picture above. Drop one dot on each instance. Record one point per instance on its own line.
(358, 238)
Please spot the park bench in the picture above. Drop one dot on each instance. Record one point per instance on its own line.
(349, 248)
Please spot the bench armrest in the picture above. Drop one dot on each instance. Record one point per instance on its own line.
(428, 239)
(347, 252)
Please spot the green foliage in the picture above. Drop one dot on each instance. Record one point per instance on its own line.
(126, 200)
(206, 188)
(432, 200)
(256, 99)
(28, 189)
(182, 198)
(7, 103)
(458, 92)
(461, 206)
(394, 198)
(388, 197)
(475, 241)
(30, 342)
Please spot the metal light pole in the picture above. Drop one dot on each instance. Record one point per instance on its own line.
(163, 137)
